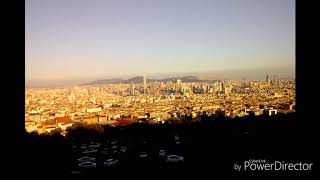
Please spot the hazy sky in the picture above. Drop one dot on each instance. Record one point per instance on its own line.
(77, 39)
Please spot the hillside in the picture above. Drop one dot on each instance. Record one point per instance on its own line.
(139, 79)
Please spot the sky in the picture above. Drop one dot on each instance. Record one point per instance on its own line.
(79, 40)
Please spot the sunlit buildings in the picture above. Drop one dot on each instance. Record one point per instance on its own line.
(105, 104)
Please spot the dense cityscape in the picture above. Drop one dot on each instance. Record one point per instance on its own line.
(154, 102)
(146, 123)
(126, 88)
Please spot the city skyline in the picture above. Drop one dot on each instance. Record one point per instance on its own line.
(79, 41)
(235, 75)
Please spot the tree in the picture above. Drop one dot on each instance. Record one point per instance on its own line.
(56, 131)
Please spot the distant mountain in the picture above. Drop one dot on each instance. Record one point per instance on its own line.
(105, 81)
(183, 79)
(139, 79)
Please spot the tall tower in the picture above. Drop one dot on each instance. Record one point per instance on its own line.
(191, 87)
(223, 85)
(178, 85)
(268, 80)
(132, 88)
(144, 84)
(274, 79)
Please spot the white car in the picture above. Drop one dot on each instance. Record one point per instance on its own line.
(87, 164)
(174, 158)
(86, 158)
(123, 149)
(143, 155)
(115, 147)
(114, 142)
(110, 162)
(162, 153)
(89, 151)
(115, 151)
(94, 145)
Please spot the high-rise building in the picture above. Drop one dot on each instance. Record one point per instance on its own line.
(274, 79)
(144, 84)
(132, 89)
(179, 85)
(162, 85)
(268, 80)
(209, 89)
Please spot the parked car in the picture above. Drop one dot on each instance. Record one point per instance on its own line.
(94, 145)
(174, 158)
(114, 142)
(123, 149)
(114, 151)
(162, 153)
(86, 158)
(115, 147)
(104, 152)
(143, 155)
(83, 146)
(87, 164)
(89, 151)
(110, 162)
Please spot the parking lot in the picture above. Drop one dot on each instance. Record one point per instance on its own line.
(116, 154)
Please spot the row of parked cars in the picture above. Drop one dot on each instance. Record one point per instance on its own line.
(109, 154)
(90, 162)
(97, 154)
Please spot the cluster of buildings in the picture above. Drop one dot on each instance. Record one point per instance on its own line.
(49, 108)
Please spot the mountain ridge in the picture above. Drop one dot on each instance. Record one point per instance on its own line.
(139, 79)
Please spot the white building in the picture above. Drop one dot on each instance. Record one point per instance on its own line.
(107, 105)
(93, 110)
(60, 114)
